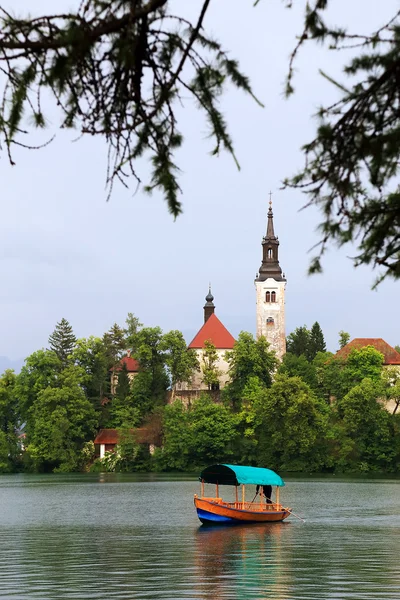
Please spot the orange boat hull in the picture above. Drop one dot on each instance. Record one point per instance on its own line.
(213, 511)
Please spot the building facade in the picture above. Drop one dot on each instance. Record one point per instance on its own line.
(270, 285)
(215, 332)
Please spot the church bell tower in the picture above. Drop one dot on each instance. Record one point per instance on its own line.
(270, 285)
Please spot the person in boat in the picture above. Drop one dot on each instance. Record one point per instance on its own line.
(267, 492)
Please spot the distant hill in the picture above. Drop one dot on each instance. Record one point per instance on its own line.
(7, 363)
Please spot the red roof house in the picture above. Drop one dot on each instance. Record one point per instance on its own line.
(390, 355)
(107, 439)
(132, 366)
(215, 332)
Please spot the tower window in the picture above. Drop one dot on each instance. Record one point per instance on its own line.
(268, 297)
(270, 321)
(273, 297)
(269, 253)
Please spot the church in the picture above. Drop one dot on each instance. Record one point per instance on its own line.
(270, 284)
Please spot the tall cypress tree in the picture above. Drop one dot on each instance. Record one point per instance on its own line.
(317, 341)
(298, 342)
(62, 341)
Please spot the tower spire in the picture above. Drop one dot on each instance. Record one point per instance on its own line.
(270, 286)
(270, 225)
(209, 306)
(270, 261)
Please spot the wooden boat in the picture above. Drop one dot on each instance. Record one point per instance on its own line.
(213, 510)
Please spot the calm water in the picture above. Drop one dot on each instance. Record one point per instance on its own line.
(107, 537)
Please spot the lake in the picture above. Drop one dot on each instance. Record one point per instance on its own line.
(104, 537)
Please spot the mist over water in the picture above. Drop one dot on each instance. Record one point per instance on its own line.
(137, 536)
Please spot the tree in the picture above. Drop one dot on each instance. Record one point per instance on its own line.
(204, 433)
(9, 421)
(364, 363)
(391, 385)
(41, 370)
(90, 354)
(62, 420)
(299, 366)
(337, 376)
(114, 343)
(213, 431)
(364, 430)
(293, 426)
(209, 366)
(133, 326)
(344, 338)
(62, 341)
(249, 358)
(298, 341)
(397, 348)
(181, 362)
(351, 165)
(317, 341)
(176, 438)
(117, 70)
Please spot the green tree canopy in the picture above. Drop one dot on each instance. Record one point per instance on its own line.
(303, 341)
(298, 366)
(181, 362)
(114, 343)
(344, 338)
(91, 355)
(317, 341)
(62, 419)
(41, 370)
(364, 431)
(249, 358)
(298, 341)
(293, 426)
(9, 422)
(62, 341)
(198, 435)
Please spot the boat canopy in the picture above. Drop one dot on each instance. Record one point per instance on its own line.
(237, 475)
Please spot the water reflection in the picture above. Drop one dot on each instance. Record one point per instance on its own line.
(244, 561)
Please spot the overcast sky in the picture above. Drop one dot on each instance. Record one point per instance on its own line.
(66, 252)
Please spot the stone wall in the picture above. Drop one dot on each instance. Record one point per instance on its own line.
(196, 383)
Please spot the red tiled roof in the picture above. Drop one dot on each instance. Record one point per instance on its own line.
(107, 436)
(142, 435)
(391, 356)
(214, 331)
(132, 365)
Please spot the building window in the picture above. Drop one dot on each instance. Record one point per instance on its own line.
(273, 297)
(268, 297)
(269, 253)
(270, 321)
(214, 387)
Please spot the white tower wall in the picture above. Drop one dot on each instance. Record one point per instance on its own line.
(271, 315)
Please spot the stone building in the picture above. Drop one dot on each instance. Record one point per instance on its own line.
(127, 362)
(214, 331)
(270, 285)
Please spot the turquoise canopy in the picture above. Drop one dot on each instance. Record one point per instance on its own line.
(237, 475)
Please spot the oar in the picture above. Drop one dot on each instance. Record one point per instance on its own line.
(254, 498)
(297, 516)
